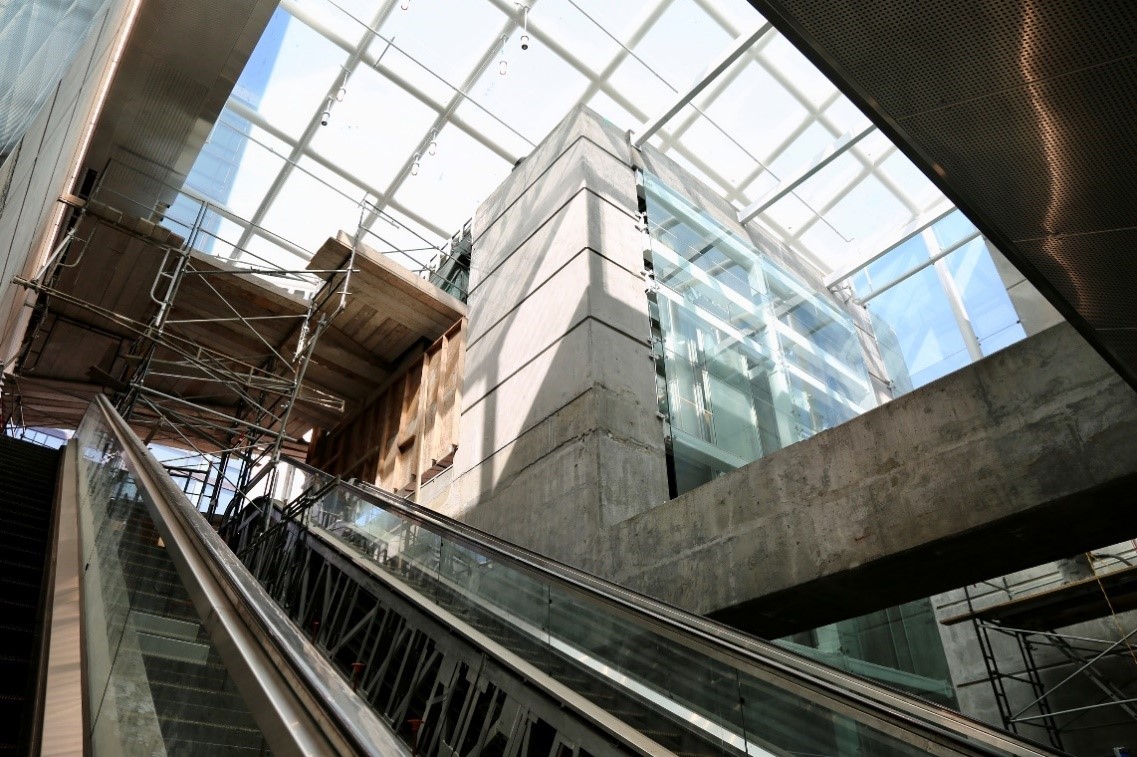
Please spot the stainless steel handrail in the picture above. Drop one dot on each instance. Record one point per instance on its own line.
(720, 641)
(299, 700)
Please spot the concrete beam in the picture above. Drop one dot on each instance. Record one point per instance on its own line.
(1024, 457)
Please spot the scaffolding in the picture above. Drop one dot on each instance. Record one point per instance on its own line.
(164, 346)
(1053, 659)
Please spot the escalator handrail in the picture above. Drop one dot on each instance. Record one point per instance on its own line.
(713, 638)
(290, 683)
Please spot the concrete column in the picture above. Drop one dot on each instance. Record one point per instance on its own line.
(559, 435)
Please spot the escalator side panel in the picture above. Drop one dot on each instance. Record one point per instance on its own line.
(438, 689)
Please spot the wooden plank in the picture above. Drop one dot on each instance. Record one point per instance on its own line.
(389, 305)
(378, 268)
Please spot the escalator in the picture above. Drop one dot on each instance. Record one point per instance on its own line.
(27, 480)
(470, 645)
(390, 629)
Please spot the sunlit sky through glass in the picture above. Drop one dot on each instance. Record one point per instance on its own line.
(421, 123)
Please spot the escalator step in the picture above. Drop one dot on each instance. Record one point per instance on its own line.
(29, 473)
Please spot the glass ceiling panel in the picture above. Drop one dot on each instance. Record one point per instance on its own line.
(763, 182)
(736, 15)
(801, 150)
(825, 185)
(681, 43)
(759, 110)
(825, 245)
(866, 209)
(237, 165)
(904, 174)
(718, 151)
(392, 235)
(407, 71)
(446, 36)
(845, 118)
(346, 18)
(565, 19)
(766, 118)
(615, 17)
(307, 211)
(374, 129)
(791, 215)
(510, 141)
(300, 76)
(810, 82)
(536, 91)
(452, 183)
(643, 90)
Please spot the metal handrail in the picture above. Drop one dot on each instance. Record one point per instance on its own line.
(717, 640)
(299, 700)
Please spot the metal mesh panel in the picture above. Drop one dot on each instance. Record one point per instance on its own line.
(39, 40)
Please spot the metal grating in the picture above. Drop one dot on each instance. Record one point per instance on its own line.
(916, 56)
(1075, 263)
(1046, 158)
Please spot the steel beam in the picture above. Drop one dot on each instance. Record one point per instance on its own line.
(720, 64)
(874, 250)
(824, 158)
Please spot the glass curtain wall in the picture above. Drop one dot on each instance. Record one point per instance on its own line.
(754, 358)
(39, 38)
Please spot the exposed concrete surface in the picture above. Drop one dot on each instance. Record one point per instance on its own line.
(1026, 456)
(559, 435)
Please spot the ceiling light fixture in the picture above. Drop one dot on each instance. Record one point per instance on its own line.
(524, 25)
(415, 165)
(432, 148)
(342, 91)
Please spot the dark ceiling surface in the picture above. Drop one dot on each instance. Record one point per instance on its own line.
(1024, 114)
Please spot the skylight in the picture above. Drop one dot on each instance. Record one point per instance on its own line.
(359, 110)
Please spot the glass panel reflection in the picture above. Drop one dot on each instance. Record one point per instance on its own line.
(754, 358)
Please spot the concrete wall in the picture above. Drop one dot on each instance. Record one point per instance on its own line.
(41, 169)
(1026, 456)
(559, 437)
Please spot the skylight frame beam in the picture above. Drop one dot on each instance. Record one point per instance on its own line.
(875, 251)
(788, 185)
(725, 60)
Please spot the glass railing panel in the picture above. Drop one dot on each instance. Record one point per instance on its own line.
(156, 683)
(585, 642)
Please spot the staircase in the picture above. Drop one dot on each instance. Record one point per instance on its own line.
(27, 482)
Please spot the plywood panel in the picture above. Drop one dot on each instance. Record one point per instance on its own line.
(408, 431)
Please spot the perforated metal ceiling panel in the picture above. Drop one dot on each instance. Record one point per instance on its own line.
(1023, 113)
